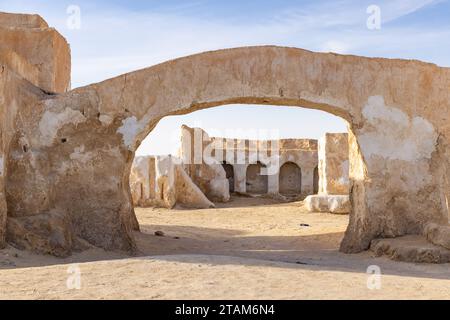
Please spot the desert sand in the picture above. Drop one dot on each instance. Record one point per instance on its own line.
(249, 248)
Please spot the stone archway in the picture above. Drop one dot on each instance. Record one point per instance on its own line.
(290, 179)
(68, 162)
(256, 180)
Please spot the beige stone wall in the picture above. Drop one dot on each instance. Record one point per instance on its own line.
(162, 181)
(17, 20)
(333, 172)
(15, 92)
(207, 174)
(36, 52)
(334, 164)
(142, 181)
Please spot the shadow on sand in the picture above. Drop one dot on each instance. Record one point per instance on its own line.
(188, 244)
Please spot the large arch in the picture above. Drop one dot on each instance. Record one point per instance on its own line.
(290, 179)
(80, 145)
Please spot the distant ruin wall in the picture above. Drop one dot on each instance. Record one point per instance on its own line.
(162, 182)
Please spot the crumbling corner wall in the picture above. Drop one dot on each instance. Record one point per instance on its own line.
(161, 181)
(333, 170)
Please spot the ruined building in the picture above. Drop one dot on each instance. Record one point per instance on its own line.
(286, 168)
(66, 156)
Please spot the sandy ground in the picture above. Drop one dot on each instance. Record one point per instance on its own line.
(246, 249)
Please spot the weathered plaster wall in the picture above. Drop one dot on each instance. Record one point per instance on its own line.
(341, 85)
(334, 164)
(143, 181)
(338, 204)
(15, 93)
(17, 20)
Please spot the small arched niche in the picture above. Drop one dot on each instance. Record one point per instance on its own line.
(290, 179)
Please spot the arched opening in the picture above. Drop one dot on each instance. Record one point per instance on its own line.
(256, 180)
(290, 179)
(119, 113)
(316, 180)
(211, 87)
(229, 172)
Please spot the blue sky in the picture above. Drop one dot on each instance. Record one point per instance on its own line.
(120, 36)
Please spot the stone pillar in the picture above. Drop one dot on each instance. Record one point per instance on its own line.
(333, 164)
(34, 51)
